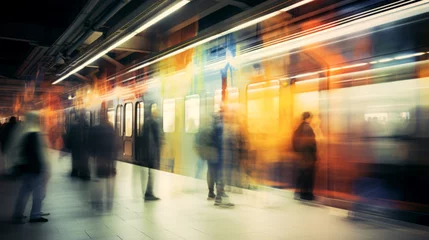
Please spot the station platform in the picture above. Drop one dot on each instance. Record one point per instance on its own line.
(182, 213)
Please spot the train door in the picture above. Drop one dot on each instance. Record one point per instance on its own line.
(127, 134)
(192, 124)
(263, 122)
(170, 126)
(310, 96)
(118, 128)
(139, 120)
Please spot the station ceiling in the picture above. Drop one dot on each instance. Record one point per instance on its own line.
(41, 39)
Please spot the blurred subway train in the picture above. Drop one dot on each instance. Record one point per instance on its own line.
(361, 68)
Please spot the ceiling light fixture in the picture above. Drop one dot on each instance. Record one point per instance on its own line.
(143, 27)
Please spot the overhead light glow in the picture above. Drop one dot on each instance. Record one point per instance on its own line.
(234, 29)
(354, 65)
(408, 56)
(385, 60)
(146, 25)
(306, 74)
(352, 27)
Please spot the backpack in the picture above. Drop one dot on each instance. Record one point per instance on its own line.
(296, 139)
(205, 145)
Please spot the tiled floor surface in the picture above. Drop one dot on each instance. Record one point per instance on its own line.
(183, 213)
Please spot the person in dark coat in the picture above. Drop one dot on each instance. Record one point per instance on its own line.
(77, 142)
(6, 133)
(104, 150)
(153, 138)
(307, 165)
(34, 169)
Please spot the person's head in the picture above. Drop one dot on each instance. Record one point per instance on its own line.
(12, 120)
(307, 117)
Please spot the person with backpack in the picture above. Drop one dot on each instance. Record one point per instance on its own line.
(212, 149)
(206, 149)
(304, 143)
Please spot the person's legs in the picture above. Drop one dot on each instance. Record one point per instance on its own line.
(211, 177)
(299, 181)
(84, 168)
(149, 189)
(23, 195)
(307, 182)
(39, 193)
(221, 198)
(311, 178)
(75, 167)
(220, 187)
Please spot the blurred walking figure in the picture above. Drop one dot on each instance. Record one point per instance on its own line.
(304, 142)
(34, 169)
(205, 146)
(6, 134)
(217, 170)
(104, 150)
(152, 138)
(77, 142)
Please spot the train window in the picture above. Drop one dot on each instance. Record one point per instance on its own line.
(128, 124)
(169, 115)
(231, 96)
(192, 113)
(263, 107)
(140, 118)
(118, 124)
(111, 116)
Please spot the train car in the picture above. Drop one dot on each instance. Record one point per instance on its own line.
(360, 69)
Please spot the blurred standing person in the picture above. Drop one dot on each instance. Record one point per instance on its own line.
(77, 142)
(206, 148)
(304, 142)
(153, 138)
(104, 150)
(6, 136)
(34, 168)
(218, 169)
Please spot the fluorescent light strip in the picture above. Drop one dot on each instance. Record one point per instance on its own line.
(408, 56)
(346, 29)
(385, 60)
(316, 31)
(362, 64)
(234, 29)
(355, 65)
(332, 24)
(307, 74)
(153, 21)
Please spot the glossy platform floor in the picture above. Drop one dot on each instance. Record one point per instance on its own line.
(183, 213)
